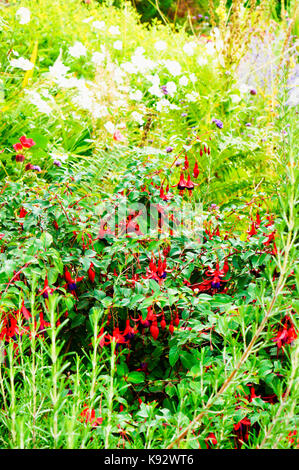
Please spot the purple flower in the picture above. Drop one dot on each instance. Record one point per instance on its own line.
(248, 124)
(164, 90)
(169, 149)
(37, 168)
(57, 163)
(253, 91)
(184, 114)
(218, 123)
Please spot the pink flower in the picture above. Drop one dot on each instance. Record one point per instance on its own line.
(118, 136)
(27, 143)
(18, 146)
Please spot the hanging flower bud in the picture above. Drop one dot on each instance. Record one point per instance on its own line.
(154, 330)
(171, 328)
(176, 320)
(201, 152)
(186, 163)
(195, 170)
(163, 323)
(91, 273)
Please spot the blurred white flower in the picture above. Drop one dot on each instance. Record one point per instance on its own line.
(173, 67)
(23, 15)
(59, 156)
(137, 117)
(163, 105)
(202, 60)
(35, 98)
(193, 96)
(114, 30)
(118, 45)
(98, 25)
(77, 50)
(58, 69)
(21, 63)
(193, 77)
(183, 81)
(189, 47)
(98, 57)
(210, 48)
(171, 88)
(235, 98)
(160, 46)
(243, 88)
(110, 127)
(136, 95)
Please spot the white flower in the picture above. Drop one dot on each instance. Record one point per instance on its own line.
(59, 156)
(136, 95)
(160, 46)
(243, 88)
(189, 47)
(173, 67)
(77, 50)
(210, 48)
(183, 81)
(171, 88)
(193, 96)
(110, 127)
(137, 117)
(42, 105)
(98, 58)
(118, 45)
(23, 15)
(202, 60)
(58, 69)
(193, 77)
(98, 24)
(21, 63)
(163, 105)
(114, 30)
(235, 98)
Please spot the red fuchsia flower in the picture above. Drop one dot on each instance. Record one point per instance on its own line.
(20, 158)
(211, 439)
(91, 273)
(163, 323)
(24, 311)
(129, 331)
(195, 170)
(46, 290)
(89, 417)
(252, 230)
(117, 337)
(71, 283)
(242, 432)
(171, 328)
(189, 184)
(26, 143)
(182, 183)
(286, 335)
(186, 163)
(154, 330)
